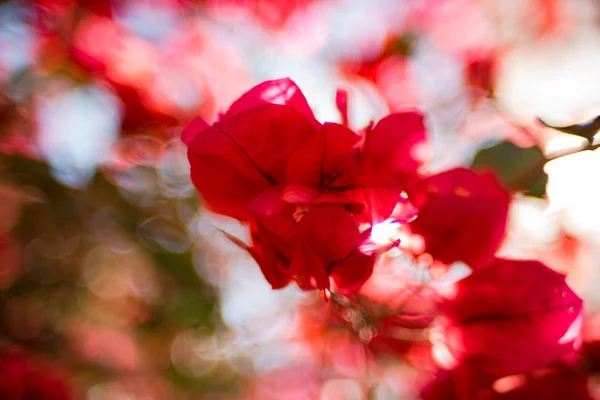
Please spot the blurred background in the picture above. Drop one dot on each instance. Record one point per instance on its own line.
(115, 282)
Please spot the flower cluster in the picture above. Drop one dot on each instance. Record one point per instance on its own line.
(307, 189)
(312, 192)
(509, 338)
(315, 195)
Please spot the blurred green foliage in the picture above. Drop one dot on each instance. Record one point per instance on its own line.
(518, 169)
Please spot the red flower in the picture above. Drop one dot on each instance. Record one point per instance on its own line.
(508, 318)
(21, 379)
(462, 216)
(303, 186)
(479, 73)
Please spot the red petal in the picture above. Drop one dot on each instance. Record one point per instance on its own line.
(14, 367)
(350, 205)
(268, 203)
(480, 73)
(379, 202)
(305, 195)
(387, 162)
(512, 317)
(268, 252)
(330, 231)
(404, 211)
(562, 383)
(341, 102)
(391, 147)
(462, 216)
(47, 385)
(195, 127)
(309, 270)
(25, 379)
(328, 237)
(279, 91)
(350, 274)
(239, 157)
(276, 217)
(275, 238)
(440, 388)
(299, 194)
(382, 198)
(324, 158)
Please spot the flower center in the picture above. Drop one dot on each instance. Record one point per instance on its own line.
(299, 213)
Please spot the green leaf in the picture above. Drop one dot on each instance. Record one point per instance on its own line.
(518, 169)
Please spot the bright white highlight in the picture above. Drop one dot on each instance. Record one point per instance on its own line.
(77, 130)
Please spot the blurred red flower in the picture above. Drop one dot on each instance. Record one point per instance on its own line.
(24, 379)
(558, 382)
(462, 215)
(508, 318)
(480, 74)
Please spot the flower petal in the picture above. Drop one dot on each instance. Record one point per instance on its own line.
(299, 194)
(308, 269)
(239, 157)
(330, 231)
(392, 146)
(269, 253)
(379, 202)
(195, 127)
(278, 91)
(386, 164)
(274, 241)
(512, 317)
(462, 216)
(324, 158)
(351, 273)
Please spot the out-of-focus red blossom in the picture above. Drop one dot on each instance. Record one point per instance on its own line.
(304, 186)
(551, 17)
(137, 113)
(392, 76)
(479, 73)
(98, 43)
(462, 215)
(98, 7)
(24, 378)
(50, 13)
(508, 318)
(269, 13)
(557, 382)
(95, 38)
(60, 7)
(591, 356)
(102, 345)
(10, 260)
